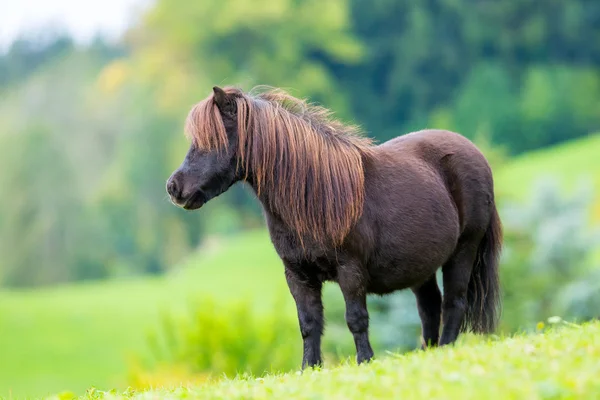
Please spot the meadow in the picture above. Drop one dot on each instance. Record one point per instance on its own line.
(558, 364)
(570, 164)
(72, 337)
(77, 336)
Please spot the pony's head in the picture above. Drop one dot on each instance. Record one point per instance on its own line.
(304, 165)
(209, 167)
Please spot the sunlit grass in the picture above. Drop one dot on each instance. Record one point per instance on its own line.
(562, 363)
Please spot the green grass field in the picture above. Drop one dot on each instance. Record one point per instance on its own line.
(77, 336)
(560, 364)
(569, 164)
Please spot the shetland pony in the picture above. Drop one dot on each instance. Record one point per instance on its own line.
(373, 218)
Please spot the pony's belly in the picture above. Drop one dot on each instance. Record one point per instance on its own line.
(412, 243)
(402, 271)
(398, 280)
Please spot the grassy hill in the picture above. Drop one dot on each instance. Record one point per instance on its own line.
(562, 363)
(76, 336)
(569, 163)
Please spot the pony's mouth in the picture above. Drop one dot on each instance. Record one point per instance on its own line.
(196, 201)
(193, 202)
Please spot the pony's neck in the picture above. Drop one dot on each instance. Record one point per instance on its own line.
(263, 196)
(312, 181)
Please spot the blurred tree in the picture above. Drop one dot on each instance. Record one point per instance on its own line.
(463, 57)
(35, 50)
(185, 48)
(36, 230)
(60, 135)
(27, 54)
(145, 233)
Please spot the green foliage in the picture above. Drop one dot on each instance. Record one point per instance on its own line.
(239, 42)
(580, 299)
(26, 54)
(549, 248)
(548, 105)
(227, 339)
(39, 226)
(524, 73)
(394, 322)
(560, 363)
(556, 104)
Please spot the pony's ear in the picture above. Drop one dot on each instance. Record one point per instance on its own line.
(225, 103)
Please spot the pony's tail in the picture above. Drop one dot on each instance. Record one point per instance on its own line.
(483, 294)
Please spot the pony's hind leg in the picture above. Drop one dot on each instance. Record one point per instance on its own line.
(429, 304)
(456, 274)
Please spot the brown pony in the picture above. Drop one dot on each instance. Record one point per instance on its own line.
(373, 218)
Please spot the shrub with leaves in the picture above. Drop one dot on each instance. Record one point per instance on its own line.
(394, 321)
(548, 257)
(215, 339)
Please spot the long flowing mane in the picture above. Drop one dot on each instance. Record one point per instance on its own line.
(308, 166)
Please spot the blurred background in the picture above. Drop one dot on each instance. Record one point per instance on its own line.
(104, 283)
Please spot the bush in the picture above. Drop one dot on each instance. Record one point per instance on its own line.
(548, 257)
(580, 300)
(220, 340)
(395, 321)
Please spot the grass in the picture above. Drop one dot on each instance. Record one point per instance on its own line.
(569, 163)
(559, 364)
(76, 336)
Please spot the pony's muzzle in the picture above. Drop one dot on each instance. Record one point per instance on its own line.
(182, 197)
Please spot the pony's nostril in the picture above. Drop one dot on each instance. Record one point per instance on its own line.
(172, 188)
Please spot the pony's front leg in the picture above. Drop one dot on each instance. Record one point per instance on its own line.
(306, 290)
(352, 284)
